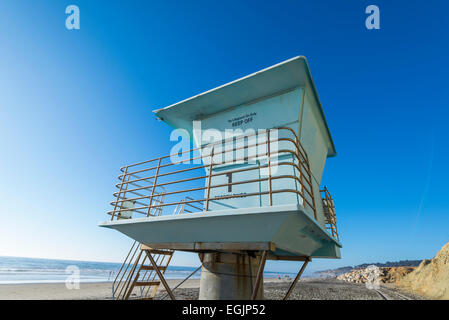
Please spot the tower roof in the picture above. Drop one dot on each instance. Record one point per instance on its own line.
(284, 76)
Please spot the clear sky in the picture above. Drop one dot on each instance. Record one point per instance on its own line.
(77, 105)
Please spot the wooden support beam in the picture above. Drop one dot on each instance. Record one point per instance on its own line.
(214, 246)
(146, 283)
(296, 279)
(151, 268)
(288, 258)
(155, 251)
(259, 275)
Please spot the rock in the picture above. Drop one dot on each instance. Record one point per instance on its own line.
(386, 275)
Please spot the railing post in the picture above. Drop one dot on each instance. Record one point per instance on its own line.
(269, 167)
(120, 192)
(301, 182)
(300, 167)
(311, 187)
(334, 215)
(154, 186)
(210, 177)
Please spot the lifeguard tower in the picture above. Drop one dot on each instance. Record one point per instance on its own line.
(248, 189)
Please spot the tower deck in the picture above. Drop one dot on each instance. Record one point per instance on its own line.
(287, 231)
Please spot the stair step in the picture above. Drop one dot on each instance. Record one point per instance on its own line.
(146, 283)
(152, 268)
(155, 251)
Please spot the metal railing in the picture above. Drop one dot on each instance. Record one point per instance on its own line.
(329, 213)
(190, 175)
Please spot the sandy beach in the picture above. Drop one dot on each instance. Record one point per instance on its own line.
(87, 291)
(307, 289)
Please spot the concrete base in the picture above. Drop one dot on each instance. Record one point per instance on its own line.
(229, 276)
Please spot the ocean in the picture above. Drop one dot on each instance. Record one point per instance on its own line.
(15, 270)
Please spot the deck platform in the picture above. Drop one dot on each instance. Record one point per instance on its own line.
(286, 231)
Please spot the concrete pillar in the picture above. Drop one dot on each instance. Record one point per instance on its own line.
(228, 276)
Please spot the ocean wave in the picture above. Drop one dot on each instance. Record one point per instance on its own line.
(30, 270)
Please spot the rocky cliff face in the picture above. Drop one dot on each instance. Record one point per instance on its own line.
(431, 277)
(333, 273)
(386, 275)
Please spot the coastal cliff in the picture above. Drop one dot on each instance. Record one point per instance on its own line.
(431, 277)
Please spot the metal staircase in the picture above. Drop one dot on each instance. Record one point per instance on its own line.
(141, 273)
(143, 269)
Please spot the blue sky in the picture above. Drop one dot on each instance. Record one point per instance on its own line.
(76, 105)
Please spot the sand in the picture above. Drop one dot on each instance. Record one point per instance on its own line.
(87, 291)
(53, 291)
(307, 289)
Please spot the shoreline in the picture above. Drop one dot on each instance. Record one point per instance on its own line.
(38, 282)
(59, 291)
